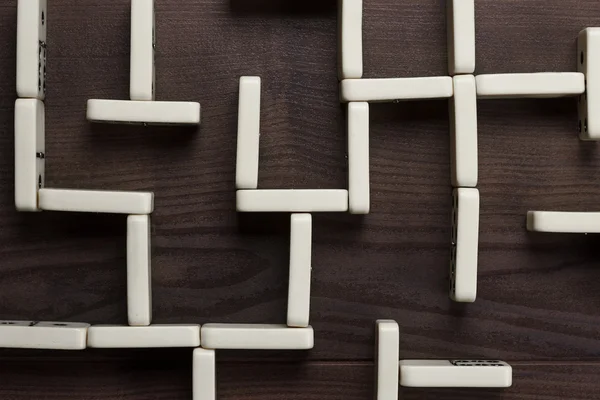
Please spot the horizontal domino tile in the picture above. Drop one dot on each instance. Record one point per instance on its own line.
(204, 375)
(248, 134)
(32, 21)
(114, 336)
(141, 79)
(29, 153)
(563, 222)
(443, 373)
(256, 337)
(463, 132)
(143, 112)
(391, 89)
(359, 197)
(290, 200)
(463, 273)
(97, 201)
(588, 62)
(350, 20)
(43, 335)
(387, 352)
(461, 36)
(139, 284)
(539, 84)
(298, 311)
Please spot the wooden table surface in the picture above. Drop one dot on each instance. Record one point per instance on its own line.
(538, 304)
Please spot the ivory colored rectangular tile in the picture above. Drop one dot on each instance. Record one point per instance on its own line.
(121, 337)
(463, 132)
(142, 73)
(248, 135)
(392, 89)
(290, 200)
(455, 373)
(461, 36)
(43, 335)
(350, 48)
(388, 353)
(536, 85)
(32, 20)
(98, 201)
(256, 337)
(588, 63)
(465, 245)
(359, 200)
(30, 149)
(139, 285)
(298, 311)
(204, 375)
(143, 112)
(563, 222)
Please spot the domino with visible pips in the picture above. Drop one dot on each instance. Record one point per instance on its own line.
(248, 135)
(588, 63)
(563, 222)
(30, 158)
(142, 69)
(298, 311)
(359, 201)
(97, 201)
(125, 337)
(31, 48)
(139, 284)
(143, 112)
(291, 200)
(256, 337)
(530, 85)
(455, 373)
(204, 375)
(461, 36)
(43, 335)
(387, 350)
(350, 21)
(463, 132)
(396, 89)
(465, 244)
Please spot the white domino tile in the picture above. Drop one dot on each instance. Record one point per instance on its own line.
(350, 48)
(298, 311)
(461, 36)
(32, 21)
(392, 89)
(463, 132)
(248, 135)
(121, 337)
(455, 373)
(535, 85)
(359, 201)
(465, 245)
(139, 285)
(143, 112)
(43, 335)
(563, 222)
(142, 73)
(588, 62)
(388, 353)
(290, 200)
(256, 337)
(204, 375)
(30, 151)
(97, 201)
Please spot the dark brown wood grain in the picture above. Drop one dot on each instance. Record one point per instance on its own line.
(538, 297)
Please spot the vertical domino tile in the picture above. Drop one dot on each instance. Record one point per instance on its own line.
(388, 353)
(142, 70)
(139, 285)
(350, 47)
(358, 158)
(248, 136)
(463, 132)
(461, 36)
(204, 375)
(588, 62)
(32, 21)
(298, 312)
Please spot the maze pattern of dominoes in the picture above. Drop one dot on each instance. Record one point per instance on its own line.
(460, 86)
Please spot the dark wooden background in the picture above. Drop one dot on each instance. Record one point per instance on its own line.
(538, 303)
